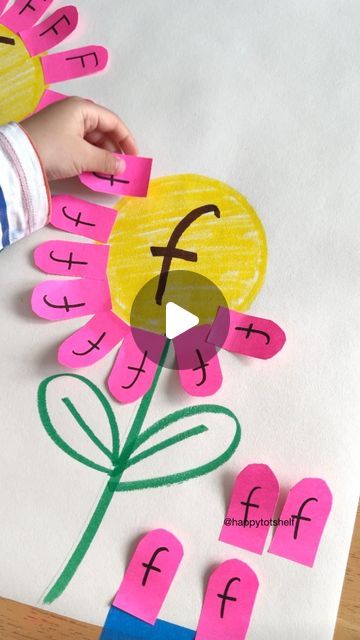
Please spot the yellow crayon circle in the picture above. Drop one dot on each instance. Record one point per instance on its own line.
(231, 249)
(21, 78)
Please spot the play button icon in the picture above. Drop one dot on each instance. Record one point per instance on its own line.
(178, 320)
(188, 300)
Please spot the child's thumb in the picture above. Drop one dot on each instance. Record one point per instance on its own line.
(103, 161)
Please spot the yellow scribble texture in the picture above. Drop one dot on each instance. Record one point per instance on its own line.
(21, 80)
(231, 250)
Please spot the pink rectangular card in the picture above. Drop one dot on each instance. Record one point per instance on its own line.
(93, 341)
(135, 365)
(73, 259)
(65, 299)
(308, 505)
(252, 505)
(59, 67)
(198, 363)
(82, 218)
(229, 601)
(133, 181)
(149, 575)
(245, 334)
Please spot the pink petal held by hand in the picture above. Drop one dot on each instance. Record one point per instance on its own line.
(93, 341)
(135, 368)
(24, 13)
(253, 500)
(248, 335)
(49, 97)
(62, 258)
(149, 575)
(229, 601)
(197, 361)
(307, 505)
(62, 300)
(82, 218)
(50, 32)
(133, 181)
(74, 64)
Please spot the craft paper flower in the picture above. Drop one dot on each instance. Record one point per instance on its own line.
(26, 70)
(225, 242)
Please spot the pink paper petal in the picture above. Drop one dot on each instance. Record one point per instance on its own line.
(74, 64)
(24, 13)
(82, 218)
(149, 575)
(62, 258)
(51, 32)
(228, 603)
(134, 181)
(134, 368)
(248, 335)
(93, 341)
(252, 503)
(49, 97)
(60, 300)
(198, 363)
(308, 504)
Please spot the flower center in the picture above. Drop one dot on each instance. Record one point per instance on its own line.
(22, 80)
(191, 223)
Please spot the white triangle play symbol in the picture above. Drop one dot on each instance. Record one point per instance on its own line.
(178, 320)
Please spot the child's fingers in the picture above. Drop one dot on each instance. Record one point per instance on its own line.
(129, 146)
(103, 120)
(101, 161)
(102, 141)
(105, 142)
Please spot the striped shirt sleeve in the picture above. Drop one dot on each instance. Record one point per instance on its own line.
(24, 193)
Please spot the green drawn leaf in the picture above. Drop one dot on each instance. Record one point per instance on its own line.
(169, 442)
(130, 456)
(79, 421)
(191, 435)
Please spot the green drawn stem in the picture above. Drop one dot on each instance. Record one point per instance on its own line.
(108, 493)
(131, 440)
(127, 458)
(169, 442)
(82, 547)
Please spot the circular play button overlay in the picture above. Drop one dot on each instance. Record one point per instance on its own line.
(182, 306)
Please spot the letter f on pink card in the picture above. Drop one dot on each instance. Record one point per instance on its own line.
(308, 505)
(133, 181)
(149, 575)
(253, 500)
(228, 603)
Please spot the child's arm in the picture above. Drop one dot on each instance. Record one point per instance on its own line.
(24, 197)
(61, 141)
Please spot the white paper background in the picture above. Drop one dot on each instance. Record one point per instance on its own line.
(264, 96)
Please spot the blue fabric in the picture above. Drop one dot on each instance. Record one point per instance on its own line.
(121, 626)
(4, 222)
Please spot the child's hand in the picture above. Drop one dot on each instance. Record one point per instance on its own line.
(76, 135)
